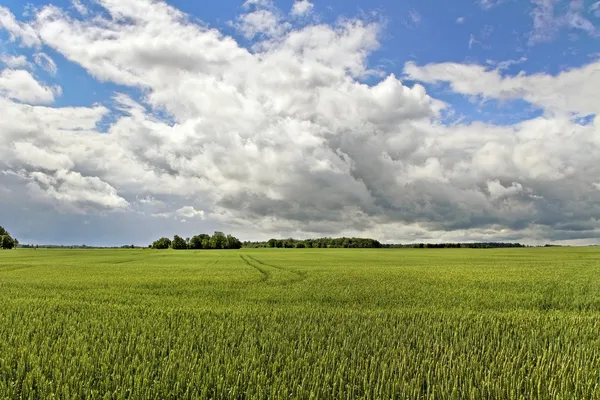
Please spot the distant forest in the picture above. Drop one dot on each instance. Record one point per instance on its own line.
(320, 243)
(480, 245)
(362, 243)
(199, 242)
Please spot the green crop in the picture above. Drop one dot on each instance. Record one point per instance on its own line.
(300, 324)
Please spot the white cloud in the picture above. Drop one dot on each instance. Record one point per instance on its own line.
(415, 17)
(301, 8)
(190, 212)
(18, 30)
(14, 62)
(547, 25)
(20, 85)
(498, 191)
(44, 61)
(80, 7)
(150, 200)
(182, 214)
(259, 22)
(473, 41)
(487, 4)
(75, 192)
(570, 91)
(595, 9)
(460, 20)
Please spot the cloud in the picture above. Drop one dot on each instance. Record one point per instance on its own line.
(18, 30)
(81, 9)
(301, 8)
(150, 200)
(487, 4)
(473, 41)
(14, 62)
(547, 25)
(259, 22)
(287, 138)
(569, 91)
(414, 19)
(182, 214)
(190, 212)
(595, 9)
(74, 192)
(20, 85)
(460, 20)
(45, 62)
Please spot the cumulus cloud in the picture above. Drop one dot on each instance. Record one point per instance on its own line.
(190, 212)
(20, 85)
(25, 33)
(80, 7)
(287, 138)
(73, 192)
(569, 91)
(301, 8)
(14, 61)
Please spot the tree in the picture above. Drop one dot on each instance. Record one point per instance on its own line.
(6, 242)
(233, 243)
(218, 240)
(162, 243)
(178, 243)
(198, 242)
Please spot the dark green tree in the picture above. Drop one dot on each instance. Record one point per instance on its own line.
(6, 242)
(218, 240)
(179, 243)
(197, 242)
(233, 243)
(162, 243)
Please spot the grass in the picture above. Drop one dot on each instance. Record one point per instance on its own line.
(300, 324)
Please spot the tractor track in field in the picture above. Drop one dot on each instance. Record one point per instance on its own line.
(272, 272)
(216, 261)
(300, 276)
(265, 274)
(16, 268)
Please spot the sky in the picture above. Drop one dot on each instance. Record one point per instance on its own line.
(122, 121)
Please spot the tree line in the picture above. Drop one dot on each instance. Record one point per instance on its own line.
(199, 242)
(478, 245)
(319, 243)
(6, 241)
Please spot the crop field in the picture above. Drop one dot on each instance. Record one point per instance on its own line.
(300, 324)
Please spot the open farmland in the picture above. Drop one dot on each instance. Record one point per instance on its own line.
(300, 324)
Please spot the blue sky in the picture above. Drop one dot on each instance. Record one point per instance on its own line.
(427, 31)
(405, 121)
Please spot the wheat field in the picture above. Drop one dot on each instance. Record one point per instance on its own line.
(300, 324)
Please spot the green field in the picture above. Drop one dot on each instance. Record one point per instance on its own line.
(300, 324)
